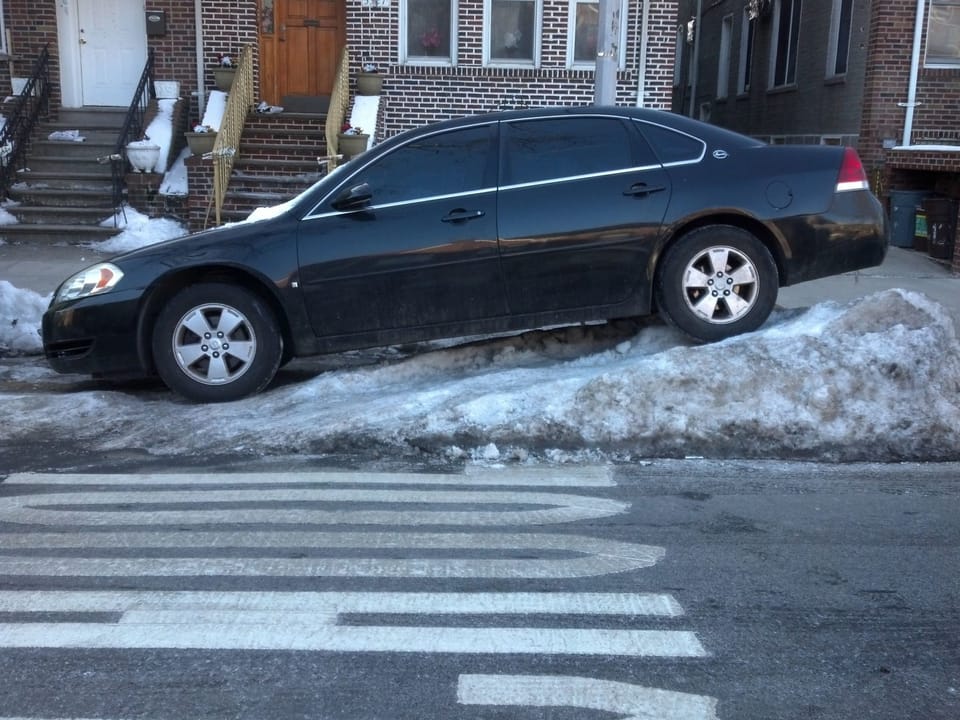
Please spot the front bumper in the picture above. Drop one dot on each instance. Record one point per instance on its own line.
(94, 335)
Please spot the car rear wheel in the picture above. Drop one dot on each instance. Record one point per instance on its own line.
(216, 342)
(716, 282)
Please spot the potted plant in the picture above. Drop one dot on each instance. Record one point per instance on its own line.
(224, 72)
(201, 140)
(369, 81)
(351, 141)
(143, 155)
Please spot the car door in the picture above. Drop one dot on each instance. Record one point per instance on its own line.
(580, 207)
(421, 249)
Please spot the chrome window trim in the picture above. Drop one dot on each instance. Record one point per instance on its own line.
(586, 176)
(415, 201)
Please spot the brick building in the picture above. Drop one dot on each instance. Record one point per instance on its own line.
(438, 58)
(880, 75)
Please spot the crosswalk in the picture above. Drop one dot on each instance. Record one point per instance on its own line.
(488, 524)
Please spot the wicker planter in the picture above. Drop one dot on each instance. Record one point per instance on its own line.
(350, 145)
(223, 77)
(369, 83)
(200, 143)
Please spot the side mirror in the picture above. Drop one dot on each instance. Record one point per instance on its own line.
(353, 198)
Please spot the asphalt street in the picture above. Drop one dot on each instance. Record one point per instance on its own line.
(670, 589)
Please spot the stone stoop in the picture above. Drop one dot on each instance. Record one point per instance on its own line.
(279, 157)
(64, 194)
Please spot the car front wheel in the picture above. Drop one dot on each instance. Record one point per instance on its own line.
(216, 342)
(716, 282)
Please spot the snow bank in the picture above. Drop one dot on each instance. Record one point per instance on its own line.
(877, 379)
(20, 314)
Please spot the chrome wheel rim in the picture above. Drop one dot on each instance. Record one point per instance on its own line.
(721, 285)
(214, 344)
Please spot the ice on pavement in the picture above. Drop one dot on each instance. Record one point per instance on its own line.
(877, 379)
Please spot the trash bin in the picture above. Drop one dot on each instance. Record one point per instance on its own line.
(941, 226)
(903, 209)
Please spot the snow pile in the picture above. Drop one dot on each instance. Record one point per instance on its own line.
(20, 314)
(139, 230)
(160, 131)
(878, 379)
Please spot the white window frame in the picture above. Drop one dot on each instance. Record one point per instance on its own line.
(4, 50)
(488, 61)
(573, 64)
(723, 62)
(939, 62)
(747, 49)
(793, 48)
(833, 47)
(406, 58)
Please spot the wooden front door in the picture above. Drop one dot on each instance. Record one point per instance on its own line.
(300, 45)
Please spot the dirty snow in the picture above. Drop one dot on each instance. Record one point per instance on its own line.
(877, 379)
(138, 230)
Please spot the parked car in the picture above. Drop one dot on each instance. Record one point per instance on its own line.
(491, 223)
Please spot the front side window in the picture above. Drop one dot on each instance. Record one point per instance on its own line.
(943, 34)
(784, 42)
(429, 31)
(512, 32)
(554, 149)
(839, 48)
(443, 164)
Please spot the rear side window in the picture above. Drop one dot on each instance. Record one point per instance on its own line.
(549, 149)
(673, 147)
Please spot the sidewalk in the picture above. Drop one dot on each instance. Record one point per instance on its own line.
(43, 268)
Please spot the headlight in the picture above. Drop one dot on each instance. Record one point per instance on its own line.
(95, 279)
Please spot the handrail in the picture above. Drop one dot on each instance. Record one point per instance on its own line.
(339, 100)
(15, 135)
(131, 130)
(227, 146)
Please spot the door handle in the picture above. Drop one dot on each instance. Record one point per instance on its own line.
(640, 189)
(460, 215)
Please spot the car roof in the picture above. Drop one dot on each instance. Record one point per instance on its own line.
(703, 130)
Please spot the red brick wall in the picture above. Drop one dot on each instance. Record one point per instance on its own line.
(415, 95)
(936, 119)
(33, 24)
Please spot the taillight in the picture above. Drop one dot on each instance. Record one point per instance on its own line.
(852, 175)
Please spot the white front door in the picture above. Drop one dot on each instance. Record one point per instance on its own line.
(112, 41)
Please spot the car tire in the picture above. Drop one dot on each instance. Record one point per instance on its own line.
(216, 342)
(716, 282)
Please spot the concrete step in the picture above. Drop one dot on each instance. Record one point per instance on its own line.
(273, 183)
(68, 181)
(55, 234)
(40, 214)
(108, 117)
(258, 166)
(30, 195)
(66, 165)
(86, 150)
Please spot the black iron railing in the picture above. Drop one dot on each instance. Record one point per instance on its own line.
(131, 130)
(32, 102)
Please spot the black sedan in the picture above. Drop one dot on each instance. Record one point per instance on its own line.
(484, 224)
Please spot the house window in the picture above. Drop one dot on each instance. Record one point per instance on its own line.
(583, 33)
(943, 34)
(429, 31)
(784, 42)
(747, 28)
(839, 48)
(723, 67)
(512, 32)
